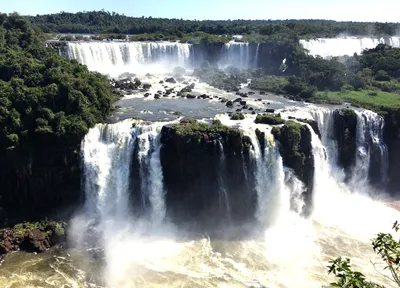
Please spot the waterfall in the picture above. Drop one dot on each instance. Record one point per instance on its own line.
(107, 156)
(273, 196)
(327, 47)
(369, 140)
(223, 194)
(235, 54)
(151, 172)
(116, 58)
(255, 64)
(372, 154)
(108, 151)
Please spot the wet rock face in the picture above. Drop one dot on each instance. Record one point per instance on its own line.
(40, 183)
(345, 129)
(198, 165)
(391, 136)
(32, 237)
(296, 151)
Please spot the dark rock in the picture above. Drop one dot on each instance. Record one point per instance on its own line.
(296, 150)
(146, 86)
(261, 139)
(238, 110)
(262, 93)
(238, 100)
(270, 110)
(253, 113)
(251, 93)
(188, 88)
(204, 96)
(147, 95)
(161, 82)
(251, 108)
(242, 102)
(190, 96)
(345, 130)
(190, 160)
(313, 124)
(170, 80)
(32, 237)
(229, 104)
(259, 99)
(157, 96)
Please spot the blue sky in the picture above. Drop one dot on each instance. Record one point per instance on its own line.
(355, 10)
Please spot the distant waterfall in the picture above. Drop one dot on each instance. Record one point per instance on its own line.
(236, 54)
(255, 64)
(108, 151)
(116, 58)
(330, 47)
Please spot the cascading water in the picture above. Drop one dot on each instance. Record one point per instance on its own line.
(370, 144)
(236, 54)
(329, 47)
(223, 194)
(255, 64)
(151, 172)
(115, 58)
(108, 151)
(107, 156)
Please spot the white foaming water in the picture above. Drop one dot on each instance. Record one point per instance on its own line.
(326, 47)
(150, 170)
(107, 156)
(236, 54)
(115, 58)
(292, 252)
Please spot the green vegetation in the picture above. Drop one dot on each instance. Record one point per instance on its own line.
(387, 247)
(44, 99)
(370, 80)
(195, 128)
(273, 84)
(370, 99)
(237, 116)
(102, 22)
(270, 119)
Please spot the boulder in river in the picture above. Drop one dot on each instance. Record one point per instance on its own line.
(170, 80)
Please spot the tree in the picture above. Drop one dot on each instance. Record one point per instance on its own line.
(386, 246)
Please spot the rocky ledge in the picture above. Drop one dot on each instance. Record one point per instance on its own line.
(196, 159)
(296, 150)
(32, 237)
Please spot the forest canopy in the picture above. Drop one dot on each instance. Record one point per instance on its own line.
(44, 99)
(104, 22)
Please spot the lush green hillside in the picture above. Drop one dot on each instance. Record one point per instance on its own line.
(47, 105)
(106, 22)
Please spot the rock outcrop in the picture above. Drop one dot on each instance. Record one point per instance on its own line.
(32, 237)
(296, 151)
(345, 129)
(195, 158)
